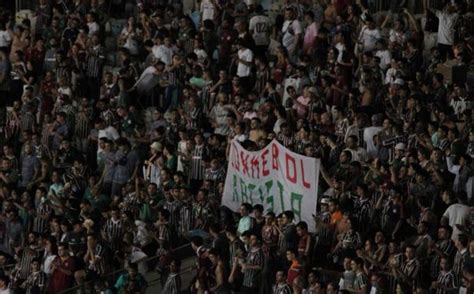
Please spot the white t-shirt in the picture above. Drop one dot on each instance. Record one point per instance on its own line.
(446, 27)
(391, 75)
(385, 58)
(207, 10)
(397, 37)
(369, 38)
(130, 43)
(163, 53)
(93, 28)
(290, 29)
(201, 55)
(358, 155)
(5, 39)
(260, 25)
(243, 70)
(147, 80)
(6, 291)
(457, 214)
(369, 134)
(110, 133)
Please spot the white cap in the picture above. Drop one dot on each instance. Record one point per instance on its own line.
(325, 200)
(400, 146)
(399, 81)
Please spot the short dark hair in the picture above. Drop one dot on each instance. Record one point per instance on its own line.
(5, 279)
(289, 214)
(463, 239)
(247, 206)
(197, 241)
(214, 252)
(64, 244)
(302, 225)
(258, 207)
(231, 230)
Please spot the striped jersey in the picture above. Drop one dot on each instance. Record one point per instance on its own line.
(199, 154)
(446, 279)
(35, 282)
(99, 266)
(113, 230)
(41, 221)
(282, 289)
(448, 248)
(255, 257)
(360, 281)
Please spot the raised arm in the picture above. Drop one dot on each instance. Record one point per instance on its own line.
(412, 20)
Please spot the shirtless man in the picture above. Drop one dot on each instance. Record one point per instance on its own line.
(218, 277)
(256, 133)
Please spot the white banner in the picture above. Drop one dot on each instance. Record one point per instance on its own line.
(275, 177)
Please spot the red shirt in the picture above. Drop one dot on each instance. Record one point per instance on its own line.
(294, 271)
(60, 281)
(302, 245)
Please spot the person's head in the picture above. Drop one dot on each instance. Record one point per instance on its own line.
(4, 281)
(164, 215)
(313, 277)
(175, 265)
(289, 13)
(346, 263)
(245, 209)
(270, 218)
(258, 211)
(352, 142)
(214, 255)
(410, 252)
(362, 190)
(379, 238)
(357, 264)
(287, 217)
(438, 80)
(302, 229)
(331, 288)
(448, 196)
(370, 23)
(333, 205)
(254, 240)
(444, 232)
(196, 242)
(422, 228)
(61, 117)
(255, 123)
(132, 270)
(298, 284)
(32, 239)
(63, 249)
(445, 264)
(198, 139)
(35, 265)
(280, 277)
(462, 242)
(291, 254)
(309, 16)
(375, 280)
(214, 229)
(231, 232)
(245, 237)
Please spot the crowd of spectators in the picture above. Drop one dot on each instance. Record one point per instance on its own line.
(116, 118)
